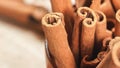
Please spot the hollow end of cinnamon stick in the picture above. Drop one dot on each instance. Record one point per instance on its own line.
(88, 22)
(52, 19)
(105, 43)
(113, 41)
(117, 24)
(116, 54)
(118, 16)
(85, 12)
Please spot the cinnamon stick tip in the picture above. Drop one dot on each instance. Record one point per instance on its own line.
(52, 19)
(88, 22)
(101, 17)
(115, 54)
(118, 15)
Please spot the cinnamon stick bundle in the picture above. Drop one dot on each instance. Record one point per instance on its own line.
(112, 58)
(22, 13)
(65, 7)
(53, 27)
(117, 24)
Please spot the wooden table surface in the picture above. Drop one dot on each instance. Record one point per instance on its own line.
(20, 47)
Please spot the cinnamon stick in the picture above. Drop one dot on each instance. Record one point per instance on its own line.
(116, 4)
(113, 41)
(68, 11)
(77, 32)
(107, 8)
(95, 4)
(22, 13)
(112, 58)
(87, 37)
(101, 31)
(101, 27)
(53, 27)
(88, 32)
(105, 43)
(117, 24)
(86, 63)
(80, 3)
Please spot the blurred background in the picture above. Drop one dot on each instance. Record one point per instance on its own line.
(22, 43)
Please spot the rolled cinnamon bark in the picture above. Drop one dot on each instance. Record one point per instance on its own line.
(95, 4)
(80, 3)
(82, 13)
(107, 8)
(87, 32)
(86, 63)
(22, 13)
(68, 11)
(87, 3)
(105, 43)
(113, 41)
(117, 24)
(101, 27)
(101, 31)
(116, 4)
(87, 37)
(77, 32)
(53, 26)
(112, 58)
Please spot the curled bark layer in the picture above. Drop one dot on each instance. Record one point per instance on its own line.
(86, 63)
(87, 37)
(117, 24)
(101, 32)
(88, 26)
(68, 11)
(112, 58)
(105, 43)
(116, 4)
(53, 26)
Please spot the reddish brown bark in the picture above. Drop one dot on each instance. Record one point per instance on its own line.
(53, 26)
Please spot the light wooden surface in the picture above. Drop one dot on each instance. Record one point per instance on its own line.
(20, 47)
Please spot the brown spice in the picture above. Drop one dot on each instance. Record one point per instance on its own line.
(53, 27)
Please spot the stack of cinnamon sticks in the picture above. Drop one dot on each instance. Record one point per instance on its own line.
(83, 36)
